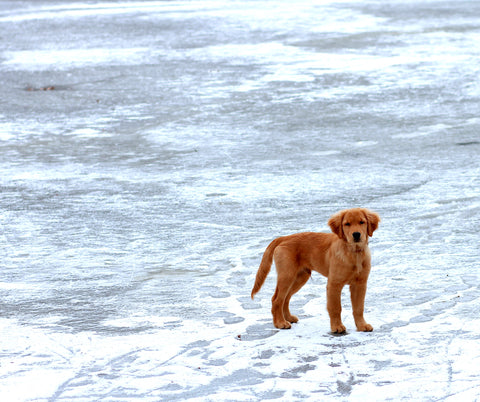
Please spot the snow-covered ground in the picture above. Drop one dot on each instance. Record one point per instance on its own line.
(150, 151)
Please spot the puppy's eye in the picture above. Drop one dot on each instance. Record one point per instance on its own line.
(362, 222)
(347, 224)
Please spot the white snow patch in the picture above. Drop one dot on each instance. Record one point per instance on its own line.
(38, 60)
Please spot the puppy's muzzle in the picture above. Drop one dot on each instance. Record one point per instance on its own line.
(356, 236)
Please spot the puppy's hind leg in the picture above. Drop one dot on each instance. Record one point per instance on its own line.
(285, 280)
(301, 279)
(278, 301)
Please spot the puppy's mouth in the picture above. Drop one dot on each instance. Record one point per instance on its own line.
(358, 246)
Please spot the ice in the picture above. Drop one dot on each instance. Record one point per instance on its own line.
(151, 150)
(38, 60)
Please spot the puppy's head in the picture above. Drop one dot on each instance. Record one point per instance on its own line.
(354, 225)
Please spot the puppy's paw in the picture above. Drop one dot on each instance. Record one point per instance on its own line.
(282, 325)
(365, 328)
(292, 318)
(338, 328)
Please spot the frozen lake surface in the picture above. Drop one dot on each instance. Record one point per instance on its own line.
(150, 151)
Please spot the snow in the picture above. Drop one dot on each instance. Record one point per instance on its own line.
(70, 58)
(150, 151)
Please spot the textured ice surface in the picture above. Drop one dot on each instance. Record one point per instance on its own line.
(150, 151)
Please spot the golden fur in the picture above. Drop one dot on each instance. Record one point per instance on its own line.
(342, 256)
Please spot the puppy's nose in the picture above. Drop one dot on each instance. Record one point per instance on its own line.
(356, 236)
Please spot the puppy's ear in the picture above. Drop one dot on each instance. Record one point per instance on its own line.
(372, 221)
(335, 223)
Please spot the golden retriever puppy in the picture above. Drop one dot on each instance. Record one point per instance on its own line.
(342, 256)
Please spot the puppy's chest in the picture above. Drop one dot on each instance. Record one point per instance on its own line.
(357, 268)
(358, 264)
(353, 264)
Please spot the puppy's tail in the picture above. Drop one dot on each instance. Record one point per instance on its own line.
(265, 265)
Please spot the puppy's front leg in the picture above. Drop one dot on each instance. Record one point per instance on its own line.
(357, 294)
(334, 306)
